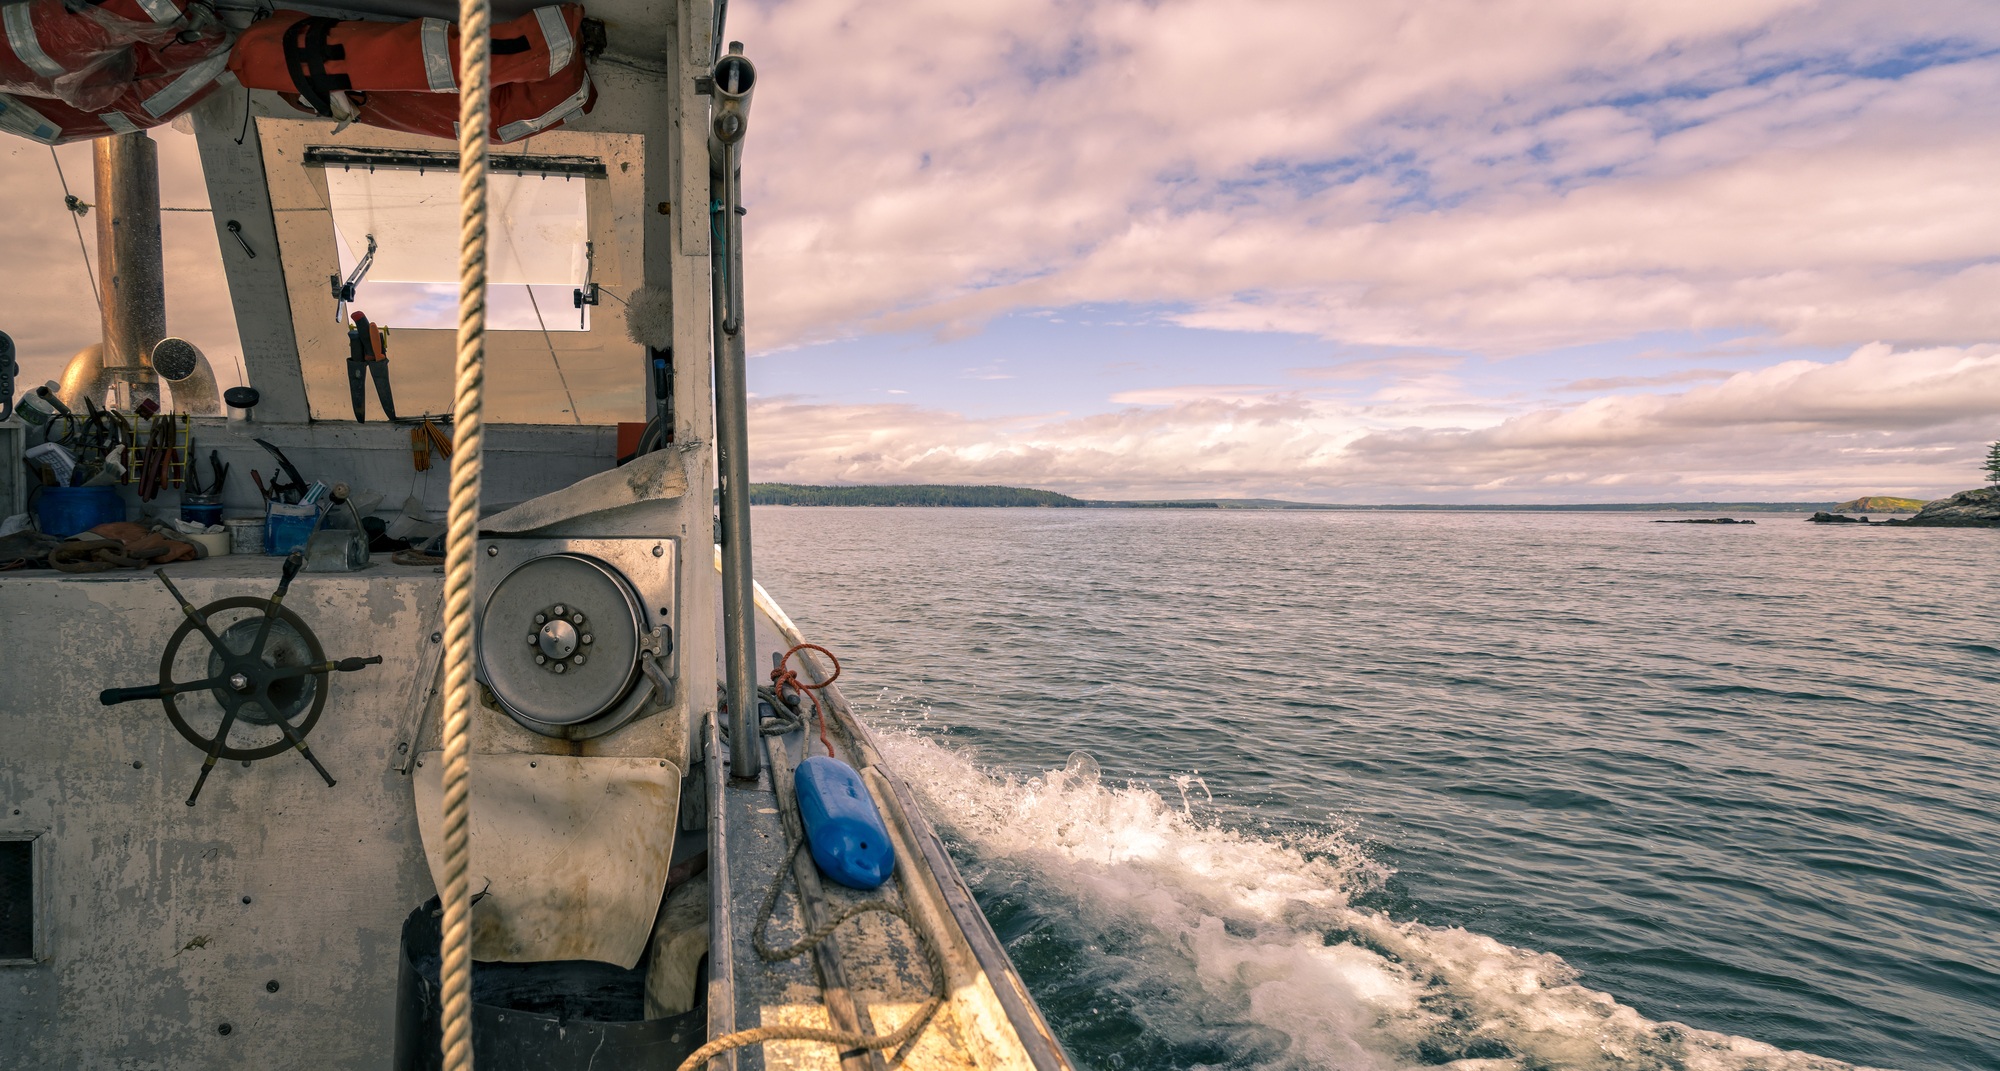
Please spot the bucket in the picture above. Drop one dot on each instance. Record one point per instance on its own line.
(567, 1015)
(201, 509)
(65, 511)
(246, 534)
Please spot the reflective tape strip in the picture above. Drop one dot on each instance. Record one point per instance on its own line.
(118, 123)
(521, 128)
(437, 56)
(190, 82)
(27, 122)
(162, 11)
(20, 23)
(556, 32)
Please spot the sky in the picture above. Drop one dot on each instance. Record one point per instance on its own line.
(1433, 251)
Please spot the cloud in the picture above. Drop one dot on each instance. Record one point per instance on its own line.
(1878, 420)
(1611, 383)
(1494, 176)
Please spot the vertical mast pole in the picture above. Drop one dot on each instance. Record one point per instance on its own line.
(462, 534)
(130, 268)
(733, 78)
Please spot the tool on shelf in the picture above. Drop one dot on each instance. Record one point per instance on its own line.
(368, 354)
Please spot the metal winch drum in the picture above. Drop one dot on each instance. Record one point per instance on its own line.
(565, 628)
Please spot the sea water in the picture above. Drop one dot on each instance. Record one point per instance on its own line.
(1486, 791)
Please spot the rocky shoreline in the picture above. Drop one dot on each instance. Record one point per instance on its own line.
(1977, 508)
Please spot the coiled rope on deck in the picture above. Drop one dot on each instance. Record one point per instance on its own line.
(462, 532)
(845, 1039)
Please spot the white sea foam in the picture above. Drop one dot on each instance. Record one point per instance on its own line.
(1209, 933)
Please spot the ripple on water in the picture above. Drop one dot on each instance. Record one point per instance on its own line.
(1741, 784)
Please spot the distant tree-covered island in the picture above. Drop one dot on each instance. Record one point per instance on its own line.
(932, 494)
(921, 494)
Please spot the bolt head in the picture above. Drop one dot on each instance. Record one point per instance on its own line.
(560, 667)
(578, 660)
(588, 639)
(558, 611)
(541, 619)
(659, 551)
(534, 638)
(541, 658)
(239, 682)
(492, 552)
(576, 619)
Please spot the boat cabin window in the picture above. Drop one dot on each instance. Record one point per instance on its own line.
(407, 217)
(565, 212)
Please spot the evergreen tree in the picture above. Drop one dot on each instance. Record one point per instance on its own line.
(1993, 466)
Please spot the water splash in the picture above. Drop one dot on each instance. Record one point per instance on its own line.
(1249, 949)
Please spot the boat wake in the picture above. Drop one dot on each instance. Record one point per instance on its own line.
(1156, 938)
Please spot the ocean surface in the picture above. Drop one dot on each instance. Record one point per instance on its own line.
(1484, 791)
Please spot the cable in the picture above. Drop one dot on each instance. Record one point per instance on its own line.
(462, 533)
(551, 344)
(76, 218)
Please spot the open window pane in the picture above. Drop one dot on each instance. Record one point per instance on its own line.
(536, 225)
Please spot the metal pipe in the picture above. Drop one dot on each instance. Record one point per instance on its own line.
(732, 407)
(188, 375)
(130, 267)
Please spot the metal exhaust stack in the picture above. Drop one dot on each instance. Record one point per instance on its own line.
(130, 268)
(734, 78)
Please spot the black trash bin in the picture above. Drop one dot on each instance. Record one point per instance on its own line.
(536, 1016)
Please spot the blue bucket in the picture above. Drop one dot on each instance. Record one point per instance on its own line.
(65, 511)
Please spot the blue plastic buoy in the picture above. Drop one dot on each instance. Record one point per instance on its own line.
(848, 839)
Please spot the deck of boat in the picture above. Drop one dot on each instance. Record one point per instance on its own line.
(871, 974)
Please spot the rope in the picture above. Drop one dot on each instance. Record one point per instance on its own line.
(782, 676)
(551, 344)
(844, 1039)
(76, 220)
(462, 531)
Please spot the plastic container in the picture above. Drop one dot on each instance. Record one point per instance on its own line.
(65, 511)
(246, 534)
(288, 527)
(848, 839)
(216, 544)
(201, 509)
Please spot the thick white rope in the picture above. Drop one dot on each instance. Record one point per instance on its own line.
(462, 531)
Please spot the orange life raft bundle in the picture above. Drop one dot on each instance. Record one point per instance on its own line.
(122, 65)
(404, 75)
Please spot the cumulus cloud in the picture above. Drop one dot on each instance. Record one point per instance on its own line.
(1491, 175)
(1877, 418)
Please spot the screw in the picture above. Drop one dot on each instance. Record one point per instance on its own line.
(576, 619)
(271, 986)
(436, 636)
(541, 619)
(531, 639)
(578, 660)
(541, 658)
(558, 611)
(588, 638)
(659, 551)
(560, 667)
(492, 552)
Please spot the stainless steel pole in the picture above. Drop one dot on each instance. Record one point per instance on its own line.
(130, 267)
(732, 80)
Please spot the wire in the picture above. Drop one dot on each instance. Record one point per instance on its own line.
(551, 343)
(76, 219)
